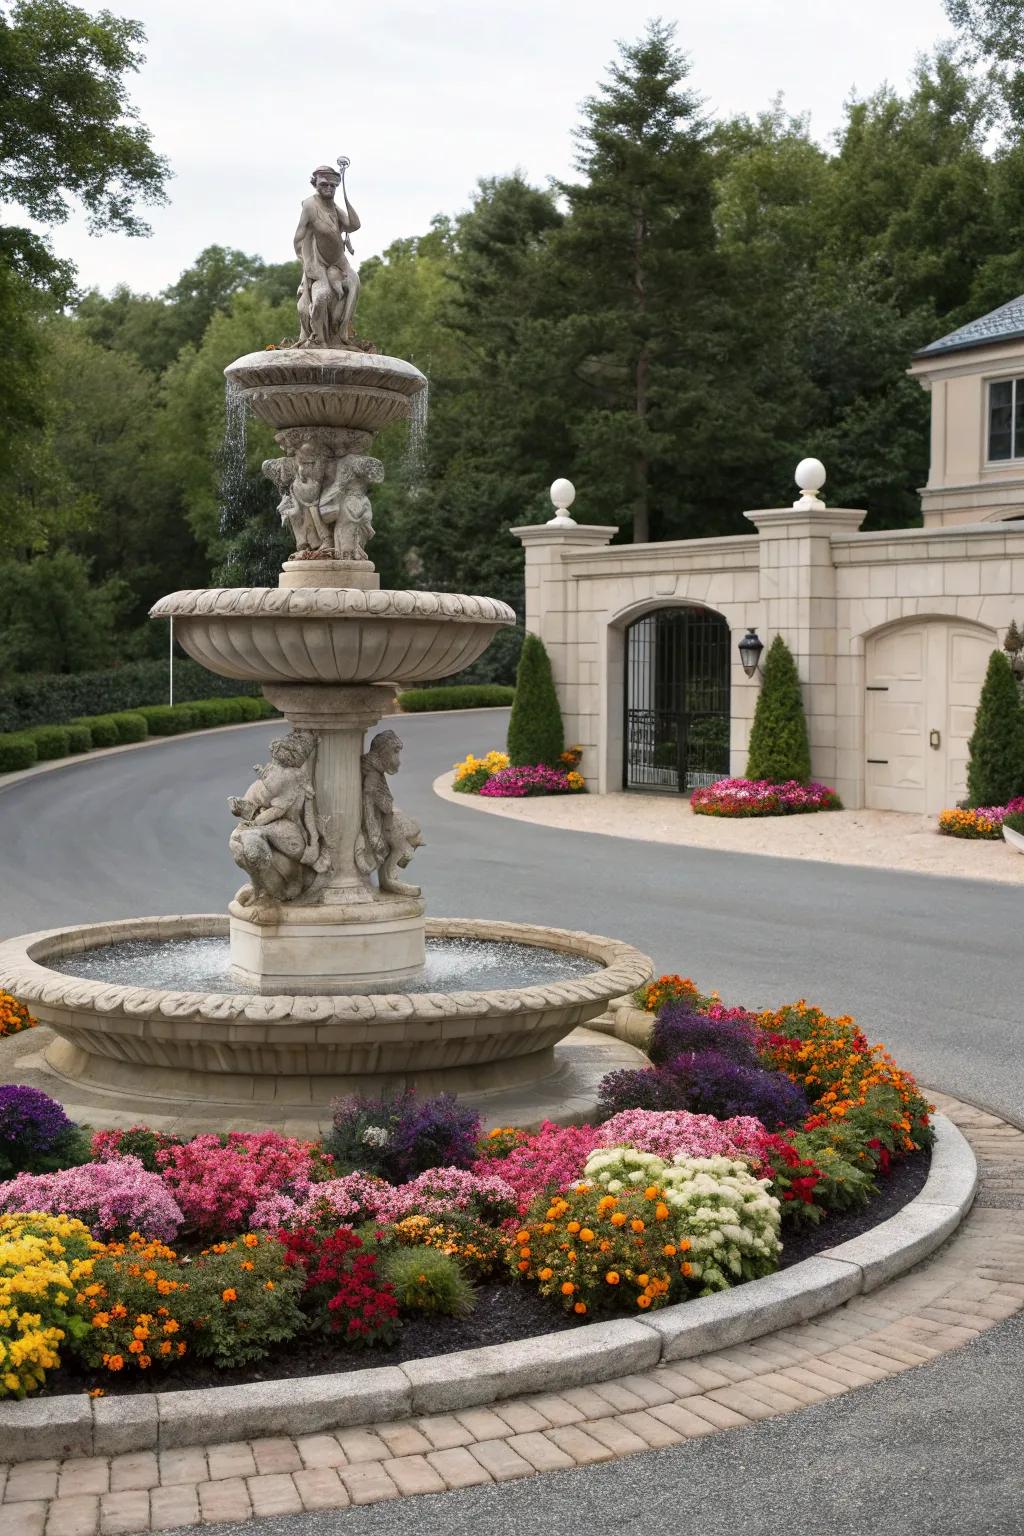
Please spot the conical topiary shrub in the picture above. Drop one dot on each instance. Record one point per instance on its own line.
(535, 733)
(995, 767)
(779, 749)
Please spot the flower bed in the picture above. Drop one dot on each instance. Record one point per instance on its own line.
(494, 776)
(407, 1231)
(983, 821)
(759, 797)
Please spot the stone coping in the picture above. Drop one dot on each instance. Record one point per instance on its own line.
(21, 972)
(333, 367)
(331, 603)
(76, 1425)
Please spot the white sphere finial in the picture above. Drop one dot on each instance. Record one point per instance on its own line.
(810, 477)
(563, 494)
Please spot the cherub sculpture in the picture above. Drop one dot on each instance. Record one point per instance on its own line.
(388, 838)
(279, 841)
(345, 506)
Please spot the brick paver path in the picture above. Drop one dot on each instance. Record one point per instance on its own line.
(974, 1281)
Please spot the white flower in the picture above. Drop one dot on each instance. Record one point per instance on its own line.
(374, 1136)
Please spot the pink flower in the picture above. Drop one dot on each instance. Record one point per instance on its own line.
(111, 1198)
(667, 1133)
(553, 1157)
(219, 1186)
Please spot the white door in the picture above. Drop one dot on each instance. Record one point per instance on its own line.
(923, 683)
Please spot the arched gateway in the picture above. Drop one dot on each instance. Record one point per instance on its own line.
(676, 726)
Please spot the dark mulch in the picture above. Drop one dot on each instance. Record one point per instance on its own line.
(504, 1313)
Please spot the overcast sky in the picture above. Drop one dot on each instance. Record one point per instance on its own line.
(425, 96)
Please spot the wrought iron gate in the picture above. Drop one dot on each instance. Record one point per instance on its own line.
(677, 700)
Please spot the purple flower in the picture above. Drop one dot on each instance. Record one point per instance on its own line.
(678, 1029)
(400, 1135)
(707, 1082)
(33, 1129)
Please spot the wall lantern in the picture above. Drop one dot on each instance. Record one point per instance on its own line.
(750, 651)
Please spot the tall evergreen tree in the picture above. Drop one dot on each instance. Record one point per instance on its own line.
(779, 748)
(535, 732)
(635, 276)
(995, 766)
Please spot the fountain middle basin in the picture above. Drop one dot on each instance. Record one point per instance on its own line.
(144, 1046)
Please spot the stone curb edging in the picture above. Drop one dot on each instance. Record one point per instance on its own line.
(76, 1425)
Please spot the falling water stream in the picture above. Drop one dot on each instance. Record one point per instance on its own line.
(416, 447)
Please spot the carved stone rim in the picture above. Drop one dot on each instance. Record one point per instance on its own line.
(24, 973)
(324, 365)
(331, 603)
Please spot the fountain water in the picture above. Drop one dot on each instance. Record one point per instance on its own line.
(329, 984)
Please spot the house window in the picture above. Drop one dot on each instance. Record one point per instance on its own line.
(1006, 419)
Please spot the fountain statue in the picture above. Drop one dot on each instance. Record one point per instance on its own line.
(332, 978)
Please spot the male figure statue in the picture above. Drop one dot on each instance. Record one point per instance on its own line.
(329, 288)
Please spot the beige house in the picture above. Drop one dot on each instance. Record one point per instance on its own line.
(976, 380)
(891, 631)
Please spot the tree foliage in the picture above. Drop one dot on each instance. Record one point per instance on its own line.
(705, 302)
(779, 748)
(995, 766)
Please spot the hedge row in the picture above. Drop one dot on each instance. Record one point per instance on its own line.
(22, 749)
(459, 696)
(57, 699)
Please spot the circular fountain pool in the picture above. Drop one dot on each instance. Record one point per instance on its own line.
(205, 963)
(486, 1017)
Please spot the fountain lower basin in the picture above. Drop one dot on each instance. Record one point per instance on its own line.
(250, 1052)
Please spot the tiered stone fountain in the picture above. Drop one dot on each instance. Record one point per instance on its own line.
(326, 933)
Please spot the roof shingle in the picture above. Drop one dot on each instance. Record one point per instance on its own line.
(1003, 324)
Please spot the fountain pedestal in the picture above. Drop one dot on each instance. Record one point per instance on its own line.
(347, 930)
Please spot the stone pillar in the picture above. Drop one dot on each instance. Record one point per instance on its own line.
(798, 602)
(551, 596)
(348, 932)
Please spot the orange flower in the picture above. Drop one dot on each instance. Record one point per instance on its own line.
(661, 1211)
(567, 1288)
(251, 1240)
(136, 1347)
(612, 1277)
(669, 1250)
(652, 1192)
(269, 1286)
(523, 1236)
(523, 1265)
(636, 1225)
(572, 1226)
(97, 1392)
(580, 1307)
(545, 1273)
(643, 1301)
(618, 1219)
(114, 1362)
(229, 1295)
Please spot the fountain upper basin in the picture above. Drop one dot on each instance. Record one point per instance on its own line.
(334, 635)
(326, 387)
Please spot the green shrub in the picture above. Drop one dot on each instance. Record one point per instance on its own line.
(130, 726)
(472, 783)
(535, 733)
(459, 696)
(79, 738)
(51, 742)
(211, 712)
(779, 748)
(1015, 822)
(427, 1280)
(168, 719)
(995, 766)
(17, 751)
(101, 728)
(57, 698)
(254, 708)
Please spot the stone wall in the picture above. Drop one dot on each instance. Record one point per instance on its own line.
(811, 576)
